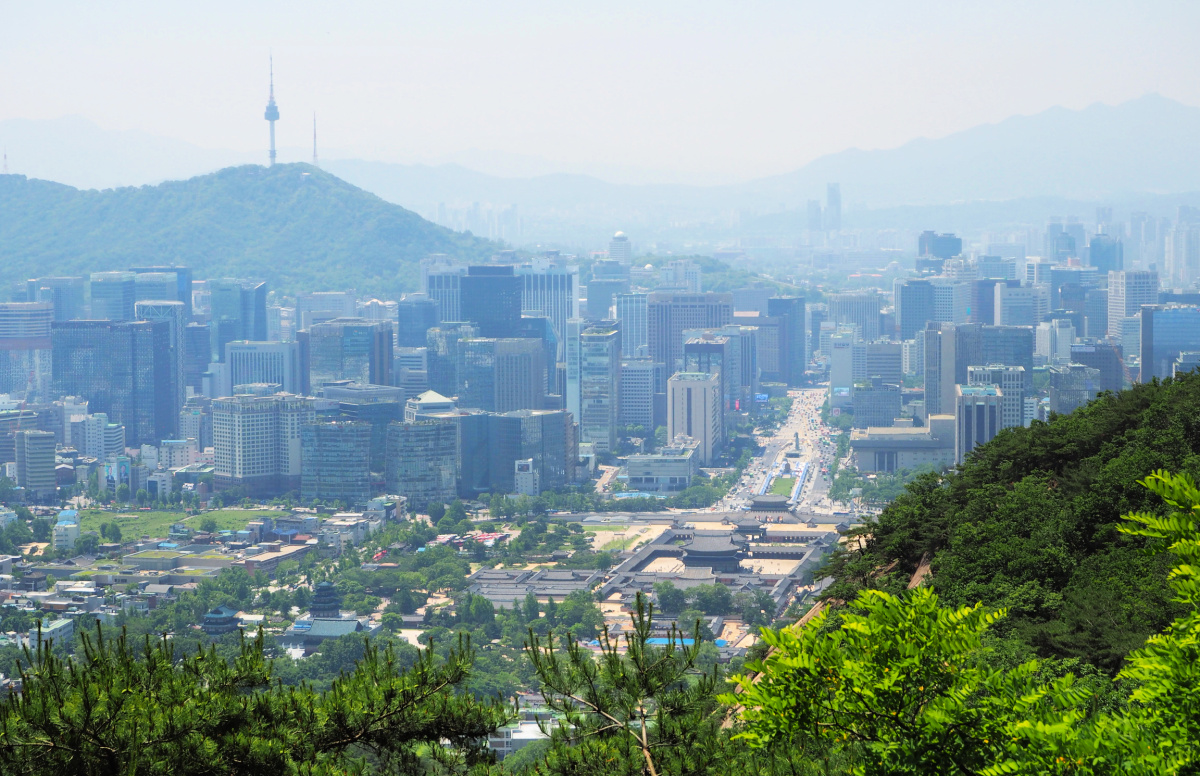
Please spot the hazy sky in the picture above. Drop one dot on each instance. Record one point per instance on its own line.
(731, 90)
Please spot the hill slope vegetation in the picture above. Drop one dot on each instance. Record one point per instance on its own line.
(1029, 522)
(293, 225)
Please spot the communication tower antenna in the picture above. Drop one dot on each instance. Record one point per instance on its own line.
(315, 164)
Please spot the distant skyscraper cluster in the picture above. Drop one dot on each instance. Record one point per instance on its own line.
(1093, 307)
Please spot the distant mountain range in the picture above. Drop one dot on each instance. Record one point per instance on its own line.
(293, 225)
(1146, 146)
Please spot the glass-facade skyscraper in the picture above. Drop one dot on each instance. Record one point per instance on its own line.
(123, 369)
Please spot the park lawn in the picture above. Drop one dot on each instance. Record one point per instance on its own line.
(782, 486)
(157, 524)
(232, 519)
(134, 524)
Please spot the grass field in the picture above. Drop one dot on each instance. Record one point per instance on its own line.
(782, 486)
(156, 524)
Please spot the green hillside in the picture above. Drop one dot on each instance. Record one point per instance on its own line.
(293, 225)
(1029, 523)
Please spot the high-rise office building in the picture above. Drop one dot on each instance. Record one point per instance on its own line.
(543, 436)
(1072, 386)
(335, 462)
(1128, 291)
(636, 393)
(321, 306)
(1015, 306)
(35, 464)
(350, 349)
(195, 421)
(789, 310)
(550, 288)
(1166, 332)
(1181, 254)
(238, 311)
(876, 403)
(490, 298)
(276, 363)
(600, 295)
(939, 246)
(256, 442)
(1106, 253)
(25, 349)
(416, 315)
(914, 306)
(68, 295)
(631, 314)
(694, 411)
(879, 359)
(669, 315)
(501, 375)
(1105, 359)
(1053, 340)
(858, 309)
(179, 290)
(833, 207)
(1011, 381)
(422, 462)
(620, 249)
(173, 313)
(599, 386)
(376, 405)
(96, 436)
(978, 417)
(197, 355)
(120, 368)
(951, 348)
(817, 315)
(443, 343)
(113, 295)
(706, 351)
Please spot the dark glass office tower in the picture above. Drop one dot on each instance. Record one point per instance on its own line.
(416, 315)
(350, 349)
(182, 285)
(113, 295)
(491, 299)
(336, 462)
(238, 312)
(791, 310)
(123, 369)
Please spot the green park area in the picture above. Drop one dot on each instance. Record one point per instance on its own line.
(782, 486)
(157, 523)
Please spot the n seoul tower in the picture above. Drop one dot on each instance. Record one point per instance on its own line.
(272, 114)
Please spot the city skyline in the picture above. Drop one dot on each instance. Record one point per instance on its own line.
(723, 98)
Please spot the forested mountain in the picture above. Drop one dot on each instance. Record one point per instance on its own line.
(293, 225)
(1029, 522)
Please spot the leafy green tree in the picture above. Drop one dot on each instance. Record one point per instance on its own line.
(123, 493)
(41, 530)
(712, 599)
(87, 544)
(208, 524)
(899, 684)
(579, 614)
(152, 710)
(457, 511)
(436, 510)
(671, 600)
